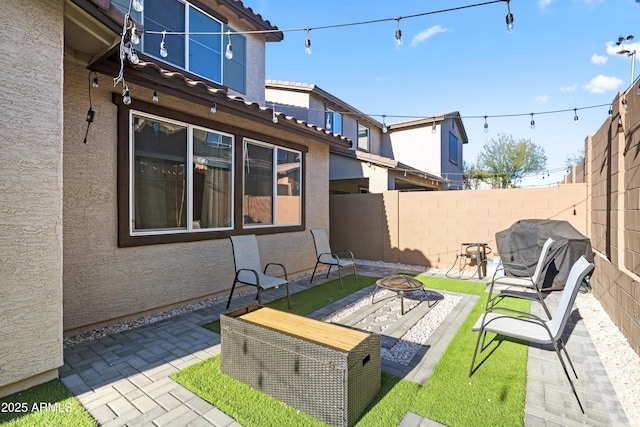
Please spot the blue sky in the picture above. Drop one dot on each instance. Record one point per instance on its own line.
(560, 56)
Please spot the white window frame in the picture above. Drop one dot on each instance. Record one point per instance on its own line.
(274, 187)
(368, 143)
(189, 171)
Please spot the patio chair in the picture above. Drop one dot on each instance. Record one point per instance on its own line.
(246, 258)
(526, 282)
(326, 257)
(531, 328)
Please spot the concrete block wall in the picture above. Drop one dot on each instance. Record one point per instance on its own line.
(428, 228)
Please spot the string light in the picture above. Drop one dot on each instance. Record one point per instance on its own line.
(533, 122)
(95, 82)
(229, 52)
(155, 94)
(126, 96)
(385, 129)
(135, 39)
(398, 33)
(163, 46)
(274, 119)
(137, 5)
(509, 18)
(486, 125)
(575, 116)
(433, 127)
(307, 43)
(214, 106)
(625, 104)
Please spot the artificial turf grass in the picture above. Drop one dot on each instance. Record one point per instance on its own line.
(252, 408)
(307, 301)
(47, 404)
(494, 395)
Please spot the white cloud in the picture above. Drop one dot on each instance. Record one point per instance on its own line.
(613, 49)
(541, 99)
(571, 88)
(542, 4)
(602, 84)
(419, 38)
(598, 59)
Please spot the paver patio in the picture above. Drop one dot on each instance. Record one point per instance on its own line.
(123, 379)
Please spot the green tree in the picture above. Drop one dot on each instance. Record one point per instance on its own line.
(472, 176)
(507, 161)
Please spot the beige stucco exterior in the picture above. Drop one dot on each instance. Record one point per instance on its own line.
(31, 192)
(104, 282)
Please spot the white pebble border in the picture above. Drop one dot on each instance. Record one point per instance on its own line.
(620, 361)
(405, 348)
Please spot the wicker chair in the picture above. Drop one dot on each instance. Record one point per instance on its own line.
(246, 258)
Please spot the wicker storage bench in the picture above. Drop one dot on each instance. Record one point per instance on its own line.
(328, 371)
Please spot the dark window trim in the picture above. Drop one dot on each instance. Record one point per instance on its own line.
(123, 168)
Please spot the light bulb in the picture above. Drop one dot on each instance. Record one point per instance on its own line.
(137, 5)
(433, 128)
(625, 104)
(510, 23)
(214, 107)
(229, 52)
(328, 124)
(126, 96)
(95, 82)
(155, 96)
(486, 125)
(163, 50)
(133, 57)
(509, 18)
(398, 37)
(533, 124)
(638, 90)
(385, 129)
(307, 46)
(134, 35)
(275, 118)
(575, 116)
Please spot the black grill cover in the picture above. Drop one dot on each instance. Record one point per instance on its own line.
(522, 243)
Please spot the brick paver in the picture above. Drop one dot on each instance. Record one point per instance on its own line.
(123, 379)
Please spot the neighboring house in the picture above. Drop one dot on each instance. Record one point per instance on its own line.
(421, 154)
(137, 219)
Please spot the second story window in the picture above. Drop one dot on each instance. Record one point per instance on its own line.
(453, 149)
(191, 43)
(363, 137)
(333, 121)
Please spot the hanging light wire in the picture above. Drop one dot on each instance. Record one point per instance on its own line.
(326, 27)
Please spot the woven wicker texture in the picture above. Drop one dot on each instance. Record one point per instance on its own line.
(332, 385)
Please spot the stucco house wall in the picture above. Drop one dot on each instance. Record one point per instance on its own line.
(31, 192)
(104, 282)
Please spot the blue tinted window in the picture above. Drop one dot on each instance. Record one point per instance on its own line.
(166, 15)
(205, 58)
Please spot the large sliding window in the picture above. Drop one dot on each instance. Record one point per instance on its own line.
(181, 179)
(272, 185)
(195, 41)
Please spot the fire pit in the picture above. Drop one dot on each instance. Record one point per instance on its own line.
(400, 284)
